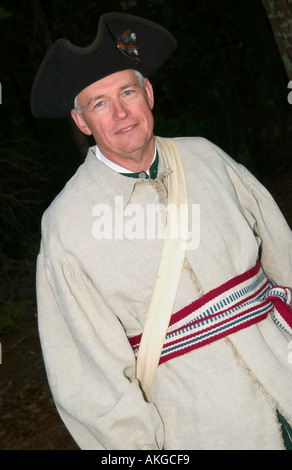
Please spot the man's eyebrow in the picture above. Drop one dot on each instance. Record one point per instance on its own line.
(94, 99)
(129, 85)
(124, 87)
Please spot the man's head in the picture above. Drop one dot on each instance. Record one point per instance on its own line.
(117, 111)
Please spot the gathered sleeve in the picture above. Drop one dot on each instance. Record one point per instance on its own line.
(273, 230)
(90, 364)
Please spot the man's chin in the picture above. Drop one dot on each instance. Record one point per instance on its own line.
(127, 144)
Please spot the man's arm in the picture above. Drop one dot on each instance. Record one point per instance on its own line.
(90, 364)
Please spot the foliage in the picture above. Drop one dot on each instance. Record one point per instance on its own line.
(19, 194)
(12, 312)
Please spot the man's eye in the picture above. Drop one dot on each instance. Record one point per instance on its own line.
(128, 92)
(99, 104)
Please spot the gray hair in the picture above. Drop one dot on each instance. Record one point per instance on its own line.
(78, 108)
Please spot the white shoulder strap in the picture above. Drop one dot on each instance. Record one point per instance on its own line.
(169, 273)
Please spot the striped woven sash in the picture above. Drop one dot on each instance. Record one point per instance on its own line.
(237, 304)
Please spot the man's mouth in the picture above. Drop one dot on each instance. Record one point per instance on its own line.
(126, 129)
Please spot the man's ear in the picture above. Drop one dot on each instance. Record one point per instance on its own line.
(80, 122)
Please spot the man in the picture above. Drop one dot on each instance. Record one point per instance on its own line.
(224, 378)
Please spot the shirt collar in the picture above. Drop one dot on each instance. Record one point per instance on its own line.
(119, 169)
(112, 182)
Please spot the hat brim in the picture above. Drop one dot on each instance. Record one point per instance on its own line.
(67, 69)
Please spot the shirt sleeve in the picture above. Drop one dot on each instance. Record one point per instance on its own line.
(272, 229)
(90, 364)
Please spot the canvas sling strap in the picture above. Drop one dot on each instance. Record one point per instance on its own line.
(242, 301)
(169, 273)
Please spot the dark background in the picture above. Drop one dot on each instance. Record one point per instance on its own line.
(226, 82)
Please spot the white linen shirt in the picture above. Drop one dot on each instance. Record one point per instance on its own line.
(94, 293)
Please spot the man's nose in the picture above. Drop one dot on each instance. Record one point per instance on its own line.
(120, 110)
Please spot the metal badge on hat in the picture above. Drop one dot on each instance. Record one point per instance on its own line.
(127, 45)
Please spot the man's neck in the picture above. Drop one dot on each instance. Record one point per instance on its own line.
(127, 165)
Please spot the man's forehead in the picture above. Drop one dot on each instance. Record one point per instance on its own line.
(116, 80)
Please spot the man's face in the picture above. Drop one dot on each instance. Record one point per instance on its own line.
(117, 111)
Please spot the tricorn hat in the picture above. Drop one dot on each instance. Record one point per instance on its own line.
(123, 42)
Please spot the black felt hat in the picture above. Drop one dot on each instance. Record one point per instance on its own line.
(122, 42)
